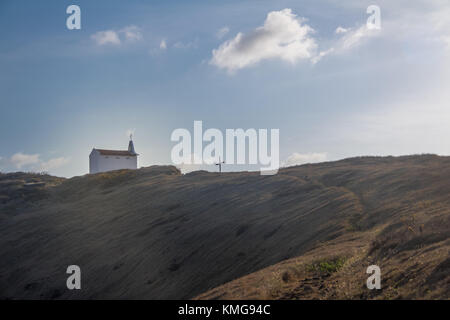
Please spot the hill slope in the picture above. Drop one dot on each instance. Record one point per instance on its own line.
(153, 233)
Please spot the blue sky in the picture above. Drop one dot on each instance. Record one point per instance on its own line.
(150, 67)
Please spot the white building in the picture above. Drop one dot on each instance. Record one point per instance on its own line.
(101, 160)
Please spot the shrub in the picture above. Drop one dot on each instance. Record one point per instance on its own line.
(327, 266)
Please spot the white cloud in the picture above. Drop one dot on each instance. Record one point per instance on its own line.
(222, 32)
(355, 37)
(20, 159)
(116, 37)
(282, 36)
(163, 45)
(296, 159)
(321, 55)
(340, 30)
(106, 37)
(286, 37)
(53, 163)
(132, 33)
(350, 38)
(33, 162)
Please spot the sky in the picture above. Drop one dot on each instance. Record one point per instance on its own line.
(312, 69)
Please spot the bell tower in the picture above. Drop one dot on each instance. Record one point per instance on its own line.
(131, 145)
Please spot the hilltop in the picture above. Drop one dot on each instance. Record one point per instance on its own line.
(308, 232)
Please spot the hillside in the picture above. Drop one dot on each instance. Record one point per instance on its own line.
(308, 232)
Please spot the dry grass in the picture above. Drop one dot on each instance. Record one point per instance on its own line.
(156, 234)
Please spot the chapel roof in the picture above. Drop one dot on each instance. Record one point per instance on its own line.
(126, 153)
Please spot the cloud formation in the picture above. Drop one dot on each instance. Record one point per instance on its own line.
(53, 163)
(286, 37)
(350, 38)
(130, 33)
(296, 159)
(340, 30)
(20, 159)
(33, 162)
(106, 37)
(283, 36)
(354, 37)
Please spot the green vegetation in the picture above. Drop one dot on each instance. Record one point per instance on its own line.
(327, 266)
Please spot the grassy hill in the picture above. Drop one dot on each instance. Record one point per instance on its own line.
(308, 232)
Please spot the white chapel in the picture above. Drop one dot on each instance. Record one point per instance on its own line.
(101, 160)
